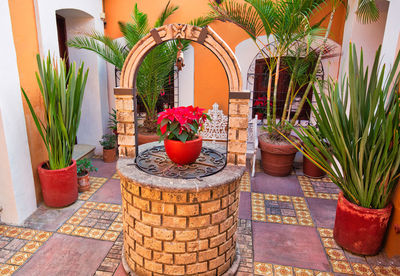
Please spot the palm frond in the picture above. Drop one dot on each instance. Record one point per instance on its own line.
(109, 49)
(367, 11)
(167, 12)
(243, 15)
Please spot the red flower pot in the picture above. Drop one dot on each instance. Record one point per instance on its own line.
(360, 230)
(183, 153)
(259, 116)
(59, 187)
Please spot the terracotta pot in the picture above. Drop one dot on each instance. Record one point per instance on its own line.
(277, 160)
(144, 138)
(59, 187)
(109, 155)
(83, 183)
(183, 153)
(360, 230)
(312, 170)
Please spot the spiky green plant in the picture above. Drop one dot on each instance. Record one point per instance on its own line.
(359, 120)
(62, 94)
(157, 65)
(285, 23)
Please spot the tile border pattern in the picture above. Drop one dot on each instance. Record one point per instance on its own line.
(31, 240)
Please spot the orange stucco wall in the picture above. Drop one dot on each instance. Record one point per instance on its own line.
(210, 84)
(23, 22)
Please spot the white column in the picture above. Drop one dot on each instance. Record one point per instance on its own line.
(365, 36)
(392, 34)
(186, 79)
(17, 192)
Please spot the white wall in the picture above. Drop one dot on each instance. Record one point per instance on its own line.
(17, 192)
(367, 36)
(391, 38)
(95, 105)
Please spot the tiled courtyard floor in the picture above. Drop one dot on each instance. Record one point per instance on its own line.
(285, 228)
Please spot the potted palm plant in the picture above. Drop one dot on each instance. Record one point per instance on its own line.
(155, 68)
(360, 119)
(289, 34)
(179, 127)
(62, 94)
(109, 144)
(84, 167)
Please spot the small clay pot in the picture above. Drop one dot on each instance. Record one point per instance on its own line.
(83, 183)
(277, 160)
(109, 155)
(360, 230)
(312, 170)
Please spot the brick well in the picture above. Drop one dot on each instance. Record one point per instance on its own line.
(179, 226)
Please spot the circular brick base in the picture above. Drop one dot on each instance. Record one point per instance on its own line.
(231, 271)
(180, 226)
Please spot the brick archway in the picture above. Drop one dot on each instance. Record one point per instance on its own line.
(238, 99)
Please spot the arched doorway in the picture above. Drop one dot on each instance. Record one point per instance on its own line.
(238, 99)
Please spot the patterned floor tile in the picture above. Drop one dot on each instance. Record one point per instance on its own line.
(18, 245)
(280, 209)
(280, 270)
(303, 272)
(6, 270)
(263, 269)
(245, 185)
(341, 267)
(115, 176)
(19, 258)
(318, 188)
(95, 184)
(96, 220)
(362, 269)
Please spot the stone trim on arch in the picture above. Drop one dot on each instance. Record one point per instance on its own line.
(238, 104)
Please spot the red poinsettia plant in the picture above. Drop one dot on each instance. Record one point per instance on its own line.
(181, 123)
(260, 105)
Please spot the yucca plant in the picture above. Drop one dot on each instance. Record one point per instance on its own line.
(359, 119)
(286, 24)
(62, 94)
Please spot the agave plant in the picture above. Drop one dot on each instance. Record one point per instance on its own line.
(359, 119)
(155, 68)
(62, 94)
(286, 25)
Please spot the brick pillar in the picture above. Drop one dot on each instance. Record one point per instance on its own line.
(237, 132)
(125, 127)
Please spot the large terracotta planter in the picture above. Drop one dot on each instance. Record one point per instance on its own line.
(277, 160)
(59, 187)
(360, 230)
(183, 153)
(83, 183)
(109, 155)
(144, 138)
